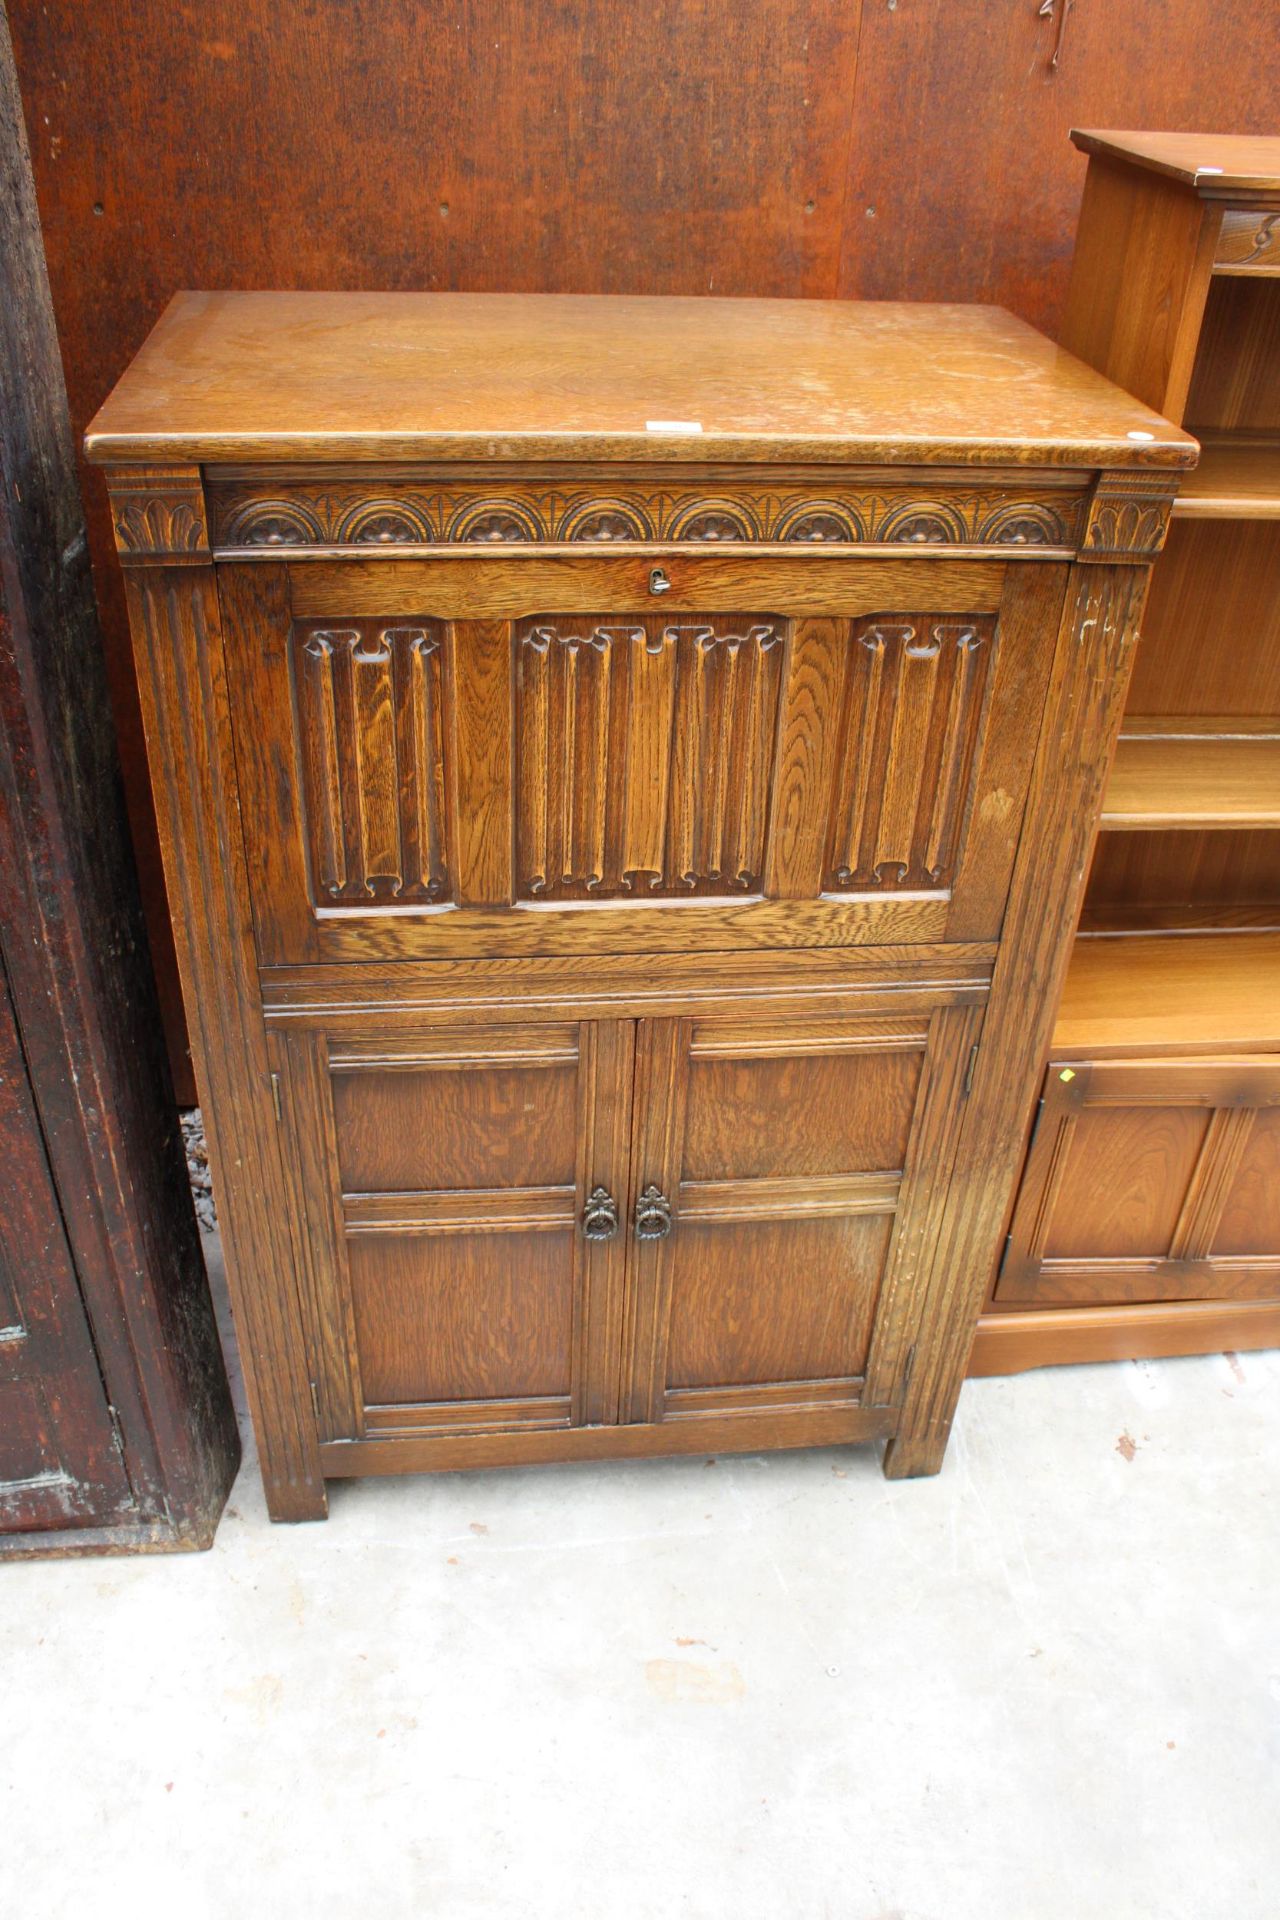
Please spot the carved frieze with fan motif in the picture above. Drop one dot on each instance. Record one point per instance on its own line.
(820, 510)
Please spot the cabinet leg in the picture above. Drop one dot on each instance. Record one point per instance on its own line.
(294, 1500)
(914, 1456)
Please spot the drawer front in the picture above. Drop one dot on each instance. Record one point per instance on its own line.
(1149, 1180)
(513, 758)
(1249, 242)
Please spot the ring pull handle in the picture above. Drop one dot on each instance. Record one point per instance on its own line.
(658, 581)
(653, 1215)
(600, 1215)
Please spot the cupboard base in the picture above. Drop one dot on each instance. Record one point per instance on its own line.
(1014, 1342)
(712, 1433)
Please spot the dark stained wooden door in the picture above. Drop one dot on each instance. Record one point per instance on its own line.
(60, 1464)
(1149, 1180)
(780, 1175)
(461, 1193)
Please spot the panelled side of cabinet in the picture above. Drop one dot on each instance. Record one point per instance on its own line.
(174, 614)
(620, 896)
(1097, 635)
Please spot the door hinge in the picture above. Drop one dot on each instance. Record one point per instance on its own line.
(315, 1400)
(908, 1368)
(275, 1098)
(117, 1431)
(968, 1072)
(1035, 1124)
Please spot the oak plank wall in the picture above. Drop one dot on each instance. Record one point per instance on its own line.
(673, 148)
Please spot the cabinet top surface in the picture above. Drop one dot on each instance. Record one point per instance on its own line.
(1220, 166)
(266, 377)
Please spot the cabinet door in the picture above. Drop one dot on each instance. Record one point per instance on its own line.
(786, 1177)
(60, 1465)
(1149, 1180)
(460, 1192)
(540, 757)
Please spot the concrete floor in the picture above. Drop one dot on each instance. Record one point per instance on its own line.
(1044, 1684)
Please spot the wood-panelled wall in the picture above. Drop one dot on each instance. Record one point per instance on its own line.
(881, 149)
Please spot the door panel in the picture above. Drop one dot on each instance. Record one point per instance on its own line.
(835, 1111)
(1250, 1221)
(784, 1174)
(631, 774)
(1147, 1181)
(772, 1299)
(474, 1316)
(645, 755)
(60, 1465)
(508, 1126)
(441, 1182)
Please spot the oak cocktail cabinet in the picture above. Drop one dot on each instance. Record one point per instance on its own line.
(626, 770)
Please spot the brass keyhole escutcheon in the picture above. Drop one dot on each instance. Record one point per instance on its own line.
(658, 581)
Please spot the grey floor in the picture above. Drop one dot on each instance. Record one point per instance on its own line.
(1045, 1684)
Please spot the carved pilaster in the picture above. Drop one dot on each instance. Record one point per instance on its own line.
(157, 513)
(1094, 653)
(177, 641)
(1128, 516)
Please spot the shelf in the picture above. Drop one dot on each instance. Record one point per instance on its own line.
(1173, 993)
(1238, 478)
(1189, 916)
(1195, 779)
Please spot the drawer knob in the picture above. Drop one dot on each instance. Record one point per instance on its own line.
(658, 581)
(600, 1215)
(653, 1215)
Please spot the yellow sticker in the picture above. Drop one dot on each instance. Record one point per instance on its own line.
(1068, 1073)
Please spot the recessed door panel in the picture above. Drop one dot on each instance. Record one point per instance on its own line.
(840, 1111)
(775, 1299)
(1149, 1154)
(1250, 1222)
(464, 1315)
(472, 1126)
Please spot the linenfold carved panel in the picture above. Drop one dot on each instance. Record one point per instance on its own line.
(645, 754)
(914, 697)
(370, 723)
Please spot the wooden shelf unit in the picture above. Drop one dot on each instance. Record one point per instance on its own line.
(1168, 994)
(1238, 478)
(1166, 779)
(1148, 1217)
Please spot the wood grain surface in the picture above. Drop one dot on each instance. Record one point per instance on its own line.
(117, 1430)
(698, 149)
(1220, 166)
